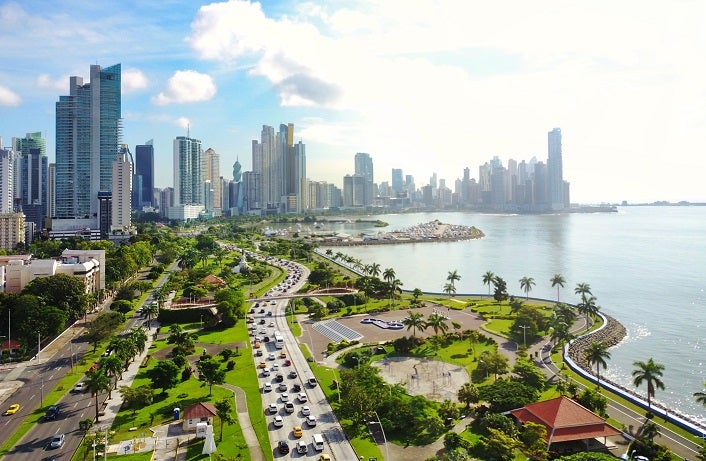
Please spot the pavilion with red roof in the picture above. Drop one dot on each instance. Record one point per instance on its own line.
(567, 422)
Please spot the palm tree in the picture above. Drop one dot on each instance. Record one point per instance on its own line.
(701, 396)
(563, 313)
(558, 281)
(516, 305)
(597, 354)
(375, 270)
(97, 382)
(389, 274)
(452, 278)
(151, 310)
(649, 431)
(526, 284)
(139, 337)
(188, 259)
(394, 287)
(437, 322)
(329, 252)
(561, 333)
(489, 279)
(583, 289)
(588, 307)
(415, 321)
(449, 289)
(112, 365)
(650, 373)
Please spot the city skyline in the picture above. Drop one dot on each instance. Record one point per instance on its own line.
(425, 88)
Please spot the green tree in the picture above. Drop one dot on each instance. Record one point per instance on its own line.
(533, 438)
(122, 305)
(498, 445)
(468, 394)
(95, 383)
(530, 374)
(503, 395)
(113, 366)
(415, 320)
(500, 293)
(526, 284)
(452, 278)
(495, 363)
(102, 327)
(164, 375)
(558, 281)
(64, 291)
(449, 289)
(437, 322)
(597, 354)
(136, 398)
(583, 289)
(594, 401)
(375, 270)
(649, 373)
(210, 372)
(224, 410)
(151, 311)
(649, 431)
(588, 307)
(473, 338)
(416, 293)
(489, 279)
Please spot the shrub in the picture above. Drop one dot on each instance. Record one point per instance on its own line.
(230, 365)
(186, 373)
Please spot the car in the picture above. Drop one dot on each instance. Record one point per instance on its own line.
(14, 408)
(266, 339)
(271, 325)
(302, 397)
(297, 432)
(263, 332)
(80, 387)
(262, 311)
(302, 447)
(269, 313)
(279, 377)
(278, 421)
(292, 374)
(265, 373)
(311, 420)
(287, 363)
(257, 345)
(283, 355)
(296, 388)
(289, 407)
(284, 397)
(272, 408)
(324, 457)
(283, 387)
(271, 357)
(267, 387)
(283, 447)
(306, 411)
(262, 322)
(262, 365)
(272, 303)
(259, 353)
(312, 381)
(52, 413)
(57, 441)
(275, 367)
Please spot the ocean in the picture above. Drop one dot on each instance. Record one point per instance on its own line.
(645, 265)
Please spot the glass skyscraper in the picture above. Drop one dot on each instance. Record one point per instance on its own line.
(88, 133)
(555, 170)
(144, 168)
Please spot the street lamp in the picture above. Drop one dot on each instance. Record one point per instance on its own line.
(524, 334)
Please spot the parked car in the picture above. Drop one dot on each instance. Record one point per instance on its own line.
(302, 447)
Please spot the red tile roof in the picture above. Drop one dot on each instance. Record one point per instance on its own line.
(214, 280)
(199, 410)
(565, 420)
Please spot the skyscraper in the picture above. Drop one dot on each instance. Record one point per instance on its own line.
(397, 181)
(555, 173)
(299, 175)
(7, 181)
(31, 177)
(122, 191)
(364, 167)
(213, 173)
(88, 132)
(188, 171)
(144, 168)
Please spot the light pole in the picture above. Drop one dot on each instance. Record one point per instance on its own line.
(357, 359)
(524, 334)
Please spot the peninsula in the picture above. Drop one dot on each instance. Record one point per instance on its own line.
(432, 231)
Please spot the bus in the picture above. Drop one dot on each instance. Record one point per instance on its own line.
(279, 340)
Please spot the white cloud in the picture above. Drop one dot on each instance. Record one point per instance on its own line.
(186, 86)
(59, 84)
(8, 97)
(183, 122)
(133, 80)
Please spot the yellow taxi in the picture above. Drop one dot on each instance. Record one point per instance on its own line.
(14, 408)
(262, 365)
(283, 355)
(297, 431)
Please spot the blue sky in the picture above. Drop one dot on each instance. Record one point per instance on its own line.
(426, 86)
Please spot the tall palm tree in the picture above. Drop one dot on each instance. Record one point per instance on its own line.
(449, 289)
(151, 310)
(650, 373)
(583, 289)
(489, 279)
(415, 321)
(97, 382)
(389, 274)
(395, 288)
(111, 365)
(558, 281)
(452, 278)
(526, 284)
(375, 270)
(564, 313)
(561, 333)
(139, 337)
(588, 307)
(701, 396)
(437, 322)
(597, 354)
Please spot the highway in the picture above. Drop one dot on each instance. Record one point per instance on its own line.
(327, 425)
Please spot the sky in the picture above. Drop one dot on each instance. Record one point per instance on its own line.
(425, 86)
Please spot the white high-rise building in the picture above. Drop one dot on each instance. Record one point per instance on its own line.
(555, 170)
(188, 171)
(122, 191)
(213, 174)
(7, 180)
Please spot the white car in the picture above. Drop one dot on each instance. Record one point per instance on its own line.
(306, 411)
(302, 397)
(278, 421)
(265, 373)
(57, 441)
(311, 420)
(275, 367)
(283, 387)
(271, 357)
(272, 324)
(284, 397)
(272, 408)
(80, 387)
(267, 387)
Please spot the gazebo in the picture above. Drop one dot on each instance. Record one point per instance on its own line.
(567, 424)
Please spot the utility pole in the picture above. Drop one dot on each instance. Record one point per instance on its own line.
(524, 334)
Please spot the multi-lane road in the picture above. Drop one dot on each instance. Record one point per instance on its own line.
(335, 442)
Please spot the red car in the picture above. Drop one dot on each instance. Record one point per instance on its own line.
(287, 362)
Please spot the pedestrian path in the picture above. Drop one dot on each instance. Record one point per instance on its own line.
(241, 407)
